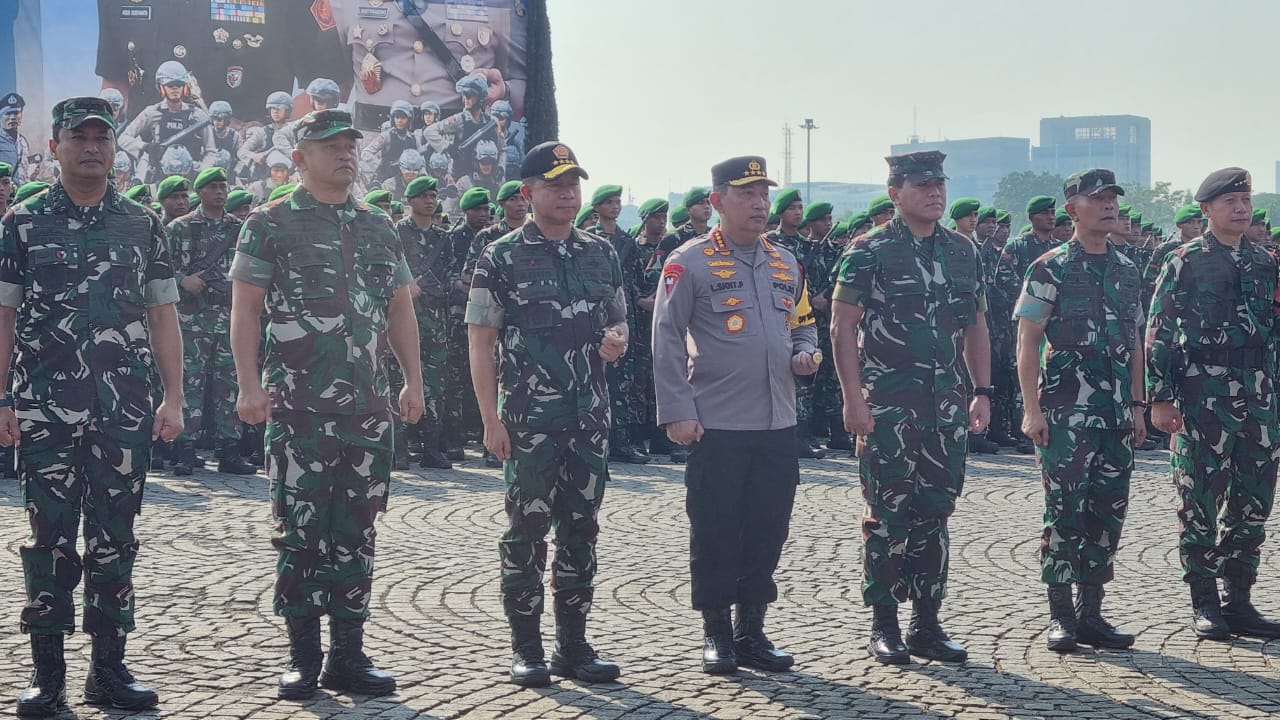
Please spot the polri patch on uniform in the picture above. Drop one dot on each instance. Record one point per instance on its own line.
(235, 76)
(670, 274)
(135, 12)
(374, 13)
(323, 13)
(735, 323)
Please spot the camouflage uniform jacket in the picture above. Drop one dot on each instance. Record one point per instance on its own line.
(670, 241)
(1011, 270)
(550, 302)
(1212, 329)
(429, 255)
(483, 238)
(1090, 308)
(916, 312)
(82, 280)
(791, 242)
(192, 237)
(330, 273)
(461, 238)
(1152, 270)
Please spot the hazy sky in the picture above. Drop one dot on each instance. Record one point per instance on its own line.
(652, 93)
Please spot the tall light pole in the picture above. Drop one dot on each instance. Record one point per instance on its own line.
(808, 128)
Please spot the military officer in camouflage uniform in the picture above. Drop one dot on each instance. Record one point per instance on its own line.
(697, 203)
(429, 255)
(202, 243)
(239, 204)
(1063, 228)
(964, 218)
(460, 411)
(86, 280)
(171, 193)
(815, 224)
(914, 291)
(789, 207)
(550, 299)
(1211, 348)
(333, 279)
(641, 408)
(741, 301)
(1080, 391)
(828, 406)
(1190, 223)
(881, 210)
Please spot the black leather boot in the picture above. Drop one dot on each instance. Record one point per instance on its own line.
(753, 648)
(574, 657)
(159, 453)
(1062, 619)
(620, 447)
(492, 461)
(47, 693)
(1001, 439)
(679, 454)
(1206, 611)
(840, 438)
(718, 654)
(886, 639)
(184, 457)
(111, 683)
(805, 448)
(1241, 616)
(431, 455)
(253, 437)
(347, 667)
(302, 677)
(1093, 629)
(230, 462)
(528, 664)
(925, 636)
(982, 446)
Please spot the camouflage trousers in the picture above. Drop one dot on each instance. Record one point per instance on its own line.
(911, 476)
(642, 407)
(207, 364)
(67, 471)
(1006, 416)
(555, 481)
(827, 400)
(460, 409)
(329, 479)
(1086, 493)
(433, 339)
(1224, 467)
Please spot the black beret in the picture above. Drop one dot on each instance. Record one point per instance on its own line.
(1221, 182)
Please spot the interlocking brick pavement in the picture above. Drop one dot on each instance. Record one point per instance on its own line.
(208, 642)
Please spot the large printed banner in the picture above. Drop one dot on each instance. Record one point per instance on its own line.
(438, 86)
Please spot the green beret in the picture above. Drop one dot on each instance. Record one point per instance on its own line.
(1135, 217)
(857, 220)
(987, 212)
(678, 216)
(26, 190)
(582, 215)
(157, 208)
(634, 230)
(695, 196)
(494, 209)
(1275, 233)
(377, 196)
(193, 199)
(509, 188)
(281, 191)
(474, 197)
(397, 207)
(1259, 216)
(439, 206)
(784, 199)
(964, 207)
(139, 193)
(1187, 213)
(879, 204)
(419, 185)
(1124, 209)
(237, 199)
(171, 185)
(604, 192)
(499, 212)
(649, 207)
(817, 211)
(1148, 227)
(1061, 218)
(6, 170)
(1003, 217)
(208, 175)
(773, 219)
(1039, 204)
(1024, 229)
(840, 229)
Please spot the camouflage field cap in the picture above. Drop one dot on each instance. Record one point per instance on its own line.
(1091, 182)
(918, 167)
(322, 124)
(74, 112)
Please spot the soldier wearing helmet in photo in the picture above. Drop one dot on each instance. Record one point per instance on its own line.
(488, 169)
(412, 165)
(279, 166)
(440, 167)
(116, 99)
(225, 137)
(428, 115)
(512, 132)
(261, 140)
(123, 167)
(324, 94)
(383, 152)
(464, 131)
(172, 121)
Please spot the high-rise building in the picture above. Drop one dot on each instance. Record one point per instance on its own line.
(1121, 143)
(975, 166)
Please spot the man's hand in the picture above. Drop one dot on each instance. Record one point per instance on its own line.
(497, 440)
(193, 284)
(1034, 426)
(415, 290)
(684, 432)
(254, 404)
(612, 347)
(858, 419)
(412, 404)
(819, 302)
(168, 422)
(646, 303)
(1166, 417)
(803, 363)
(979, 413)
(1139, 428)
(10, 436)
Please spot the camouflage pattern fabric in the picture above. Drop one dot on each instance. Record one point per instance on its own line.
(790, 242)
(478, 243)
(641, 406)
(818, 268)
(206, 323)
(460, 410)
(555, 481)
(1152, 270)
(329, 479)
(1005, 411)
(65, 470)
(429, 260)
(1211, 348)
(621, 374)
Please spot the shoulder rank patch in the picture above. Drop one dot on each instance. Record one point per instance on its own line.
(671, 273)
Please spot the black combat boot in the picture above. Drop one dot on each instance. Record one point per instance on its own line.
(1025, 447)
(491, 460)
(982, 446)
(451, 439)
(184, 457)
(252, 437)
(679, 454)
(753, 648)
(111, 683)
(159, 453)
(1062, 619)
(400, 449)
(528, 664)
(574, 657)
(431, 455)
(840, 438)
(886, 639)
(1241, 616)
(230, 462)
(302, 677)
(925, 636)
(1092, 628)
(347, 668)
(47, 693)
(718, 654)
(1206, 611)
(804, 444)
(620, 447)
(1001, 439)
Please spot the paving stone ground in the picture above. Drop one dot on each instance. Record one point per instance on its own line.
(208, 642)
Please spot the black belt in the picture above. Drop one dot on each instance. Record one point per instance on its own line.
(1245, 358)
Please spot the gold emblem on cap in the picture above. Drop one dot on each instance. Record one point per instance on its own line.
(561, 152)
(754, 166)
(179, 51)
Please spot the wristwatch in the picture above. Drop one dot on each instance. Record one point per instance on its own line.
(1142, 404)
(987, 391)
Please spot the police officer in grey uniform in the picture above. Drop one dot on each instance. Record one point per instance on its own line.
(14, 149)
(732, 309)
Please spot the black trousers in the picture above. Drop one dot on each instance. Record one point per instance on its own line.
(739, 489)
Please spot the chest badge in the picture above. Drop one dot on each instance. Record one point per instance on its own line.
(732, 302)
(782, 276)
(735, 323)
(724, 274)
(720, 263)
